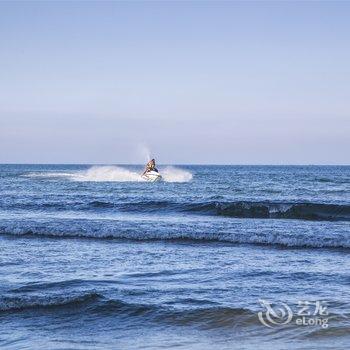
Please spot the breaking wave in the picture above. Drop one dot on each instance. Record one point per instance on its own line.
(208, 315)
(277, 232)
(238, 209)
(198, 312)
(266, 210)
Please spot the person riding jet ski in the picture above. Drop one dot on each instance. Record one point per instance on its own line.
(151, 166)
(151, 173)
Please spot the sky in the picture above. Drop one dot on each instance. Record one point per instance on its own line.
(194, 82)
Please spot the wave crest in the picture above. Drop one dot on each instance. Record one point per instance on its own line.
(270, 210)
(35, 302)
(334, 235)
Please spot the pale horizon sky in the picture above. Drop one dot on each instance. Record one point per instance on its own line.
(195, 82)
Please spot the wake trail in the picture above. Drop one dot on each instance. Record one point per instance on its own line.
(115, 174)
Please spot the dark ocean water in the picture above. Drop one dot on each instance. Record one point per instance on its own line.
(94, 258)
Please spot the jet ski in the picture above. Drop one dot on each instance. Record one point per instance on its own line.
(152, 176)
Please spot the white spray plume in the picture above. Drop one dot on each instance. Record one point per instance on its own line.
(107, 173)
(116, 174)
(172, 174)
(145, 152)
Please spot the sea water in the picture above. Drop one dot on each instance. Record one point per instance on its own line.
(92, 257)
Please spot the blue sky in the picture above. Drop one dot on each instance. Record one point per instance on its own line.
(196, 82)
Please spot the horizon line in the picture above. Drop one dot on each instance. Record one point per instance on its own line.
(180, 164)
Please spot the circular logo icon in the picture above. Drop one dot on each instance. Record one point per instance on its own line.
(278, 315)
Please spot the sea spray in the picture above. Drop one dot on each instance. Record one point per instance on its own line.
(106, 173)
(115, 174)
(119, 174)
(172, 174)
(145, 152)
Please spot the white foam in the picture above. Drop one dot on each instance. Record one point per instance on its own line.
(115, 174)
(315, 236)
(172, 174)
(47, 174)
(106, 173)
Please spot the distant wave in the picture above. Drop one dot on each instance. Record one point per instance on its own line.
(247, 209)
(113, 174)
(237, 209)
(14, 303)
(332, 180)
(271, 210)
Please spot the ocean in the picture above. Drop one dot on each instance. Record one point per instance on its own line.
(213, 257)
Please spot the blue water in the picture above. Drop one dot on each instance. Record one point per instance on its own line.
(96, 258)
